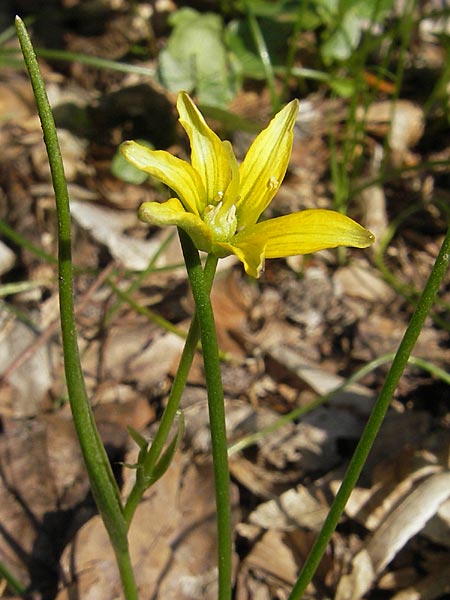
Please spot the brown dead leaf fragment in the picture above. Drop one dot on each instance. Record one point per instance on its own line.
(405, 520)
(293, 509)
(402, 121)
(42, 477)
(31, 381)
(172, 542)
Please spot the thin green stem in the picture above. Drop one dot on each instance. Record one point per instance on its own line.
(376, 419)
(104, 487)
(169, 414)
(93, 61)
(216, 410)
(264, 55)
(299, 412)
(145, 311)
(21, 241)
(139, 279)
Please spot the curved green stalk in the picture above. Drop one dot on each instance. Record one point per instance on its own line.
(169, 414)
(216, 407)
(104, 487)
(376, 419)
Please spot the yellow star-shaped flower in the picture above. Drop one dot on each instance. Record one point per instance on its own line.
(218, 202)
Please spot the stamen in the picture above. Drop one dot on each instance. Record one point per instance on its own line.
(223, 224)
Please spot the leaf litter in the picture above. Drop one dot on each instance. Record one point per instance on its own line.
(299, 334)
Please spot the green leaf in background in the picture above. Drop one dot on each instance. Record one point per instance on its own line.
(285, 9)
(196, 59)
(345, 21)
(125, 171)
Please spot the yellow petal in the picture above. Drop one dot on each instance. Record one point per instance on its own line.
(172, 212)
(209, 156)
(232, 191)
(265, 164)
(305, 232)
(249, 252)
(170, 170)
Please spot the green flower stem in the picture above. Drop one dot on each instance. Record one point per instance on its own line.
(103, 485)
(216, 410)
(376, 419)
(169, 414)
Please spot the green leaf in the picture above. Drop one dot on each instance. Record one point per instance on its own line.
(345, 21)
(137, 438)
(167, 456)
(196, 58)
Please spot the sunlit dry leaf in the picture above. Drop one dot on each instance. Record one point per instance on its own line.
(407, 519)
(359, 281)
(7, 258)
(438, 527)
(107, 227)
(401, 120)
(151, 366)
(372, 203)
(272, 558)
(31, 381)
(322, 382)
(295, 508)
(73, 149)
(393, 480)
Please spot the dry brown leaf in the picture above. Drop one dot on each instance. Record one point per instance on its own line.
(152, 365)
(393, 478)
(438, 527)
(15, 99)
(7, 258)
(294, 508)
(73, 150)
(359, 281)
(137, 351)
(405, 521)
(322, 382)
(311, 445)
(372, 203)
(42, 474)
(32, 380)
(401, 120)
(273, 559)
(231, 301)
(107, 226)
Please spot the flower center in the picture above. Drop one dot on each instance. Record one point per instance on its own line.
(223, 224)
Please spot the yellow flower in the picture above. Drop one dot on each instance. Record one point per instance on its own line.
(218, 202)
